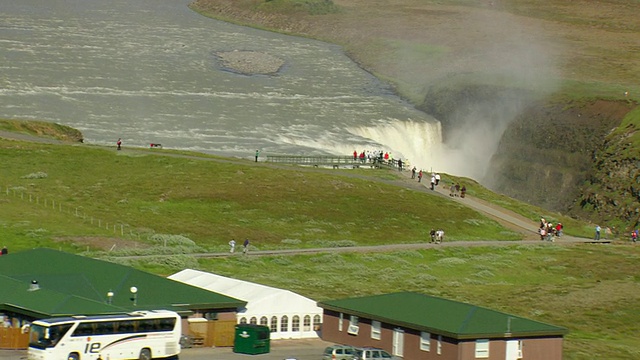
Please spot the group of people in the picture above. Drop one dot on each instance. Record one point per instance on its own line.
(245, 246)
(437, 236)
(379, 156)
(372, 156)
(456, 190)
(548, 231)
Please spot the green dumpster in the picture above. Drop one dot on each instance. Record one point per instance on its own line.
(252, 339)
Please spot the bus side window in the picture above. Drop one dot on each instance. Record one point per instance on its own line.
(125, 326)
(83, 329)
(167, 324)
(145, 326)
(104, 328)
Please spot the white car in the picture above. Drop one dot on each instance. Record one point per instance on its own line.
(369, 353)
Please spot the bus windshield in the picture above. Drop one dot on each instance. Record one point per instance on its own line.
(42, 337)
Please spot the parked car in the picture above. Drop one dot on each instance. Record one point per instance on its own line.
(369, 353)
(339, 352)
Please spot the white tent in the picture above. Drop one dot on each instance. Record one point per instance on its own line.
(287, 314)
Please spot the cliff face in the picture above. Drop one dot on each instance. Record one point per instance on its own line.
(612, 189)
(570, 157)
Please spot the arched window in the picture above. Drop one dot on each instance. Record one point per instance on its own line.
(284, 324)
(243, 320)
(253, 321)
(264, 321)
(317, 324)
(274, 324)
(295, 323)
(306, 325)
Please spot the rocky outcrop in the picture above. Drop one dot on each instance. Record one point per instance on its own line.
(250, 62)
(612, 189)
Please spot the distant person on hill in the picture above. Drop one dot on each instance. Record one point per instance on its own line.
(119, 143)
(463, 191)
(413, 173)
(439, 236)
(420, 176)
(634, 235)
(257, 154)
(437, 179)
(452, 190)
(598, 229)
(232, 244)
(245, 246)
(559, 228)
(432, 233)
(433, 182)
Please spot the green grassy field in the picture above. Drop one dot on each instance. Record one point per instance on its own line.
(91, 200)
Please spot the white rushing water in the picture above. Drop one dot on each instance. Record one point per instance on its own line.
(145, 71)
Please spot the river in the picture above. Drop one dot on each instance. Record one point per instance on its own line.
(146, 71)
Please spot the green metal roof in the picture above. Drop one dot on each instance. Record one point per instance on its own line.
(441, 316)
(71, 284)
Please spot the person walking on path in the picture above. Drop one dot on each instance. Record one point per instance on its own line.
(119, 143)
(413, 173)
(420, 176)
(598, 229)
(245, 246)
(232, 244)
(433, 182)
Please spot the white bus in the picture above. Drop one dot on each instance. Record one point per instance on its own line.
(139, 335)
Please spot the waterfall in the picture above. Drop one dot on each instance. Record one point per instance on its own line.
(417, 143)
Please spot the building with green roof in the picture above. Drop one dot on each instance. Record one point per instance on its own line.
(417, 326)
(43, 283)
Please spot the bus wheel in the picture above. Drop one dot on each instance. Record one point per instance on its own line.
(73, 356)
(145, 354)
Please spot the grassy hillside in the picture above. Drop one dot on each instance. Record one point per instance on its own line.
(70, 197)
(212, 201)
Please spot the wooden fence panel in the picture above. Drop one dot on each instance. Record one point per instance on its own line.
(13, 338)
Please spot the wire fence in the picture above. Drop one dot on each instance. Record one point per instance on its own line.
(112, 227)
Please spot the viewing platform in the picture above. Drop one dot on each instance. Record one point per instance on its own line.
(335, 162)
